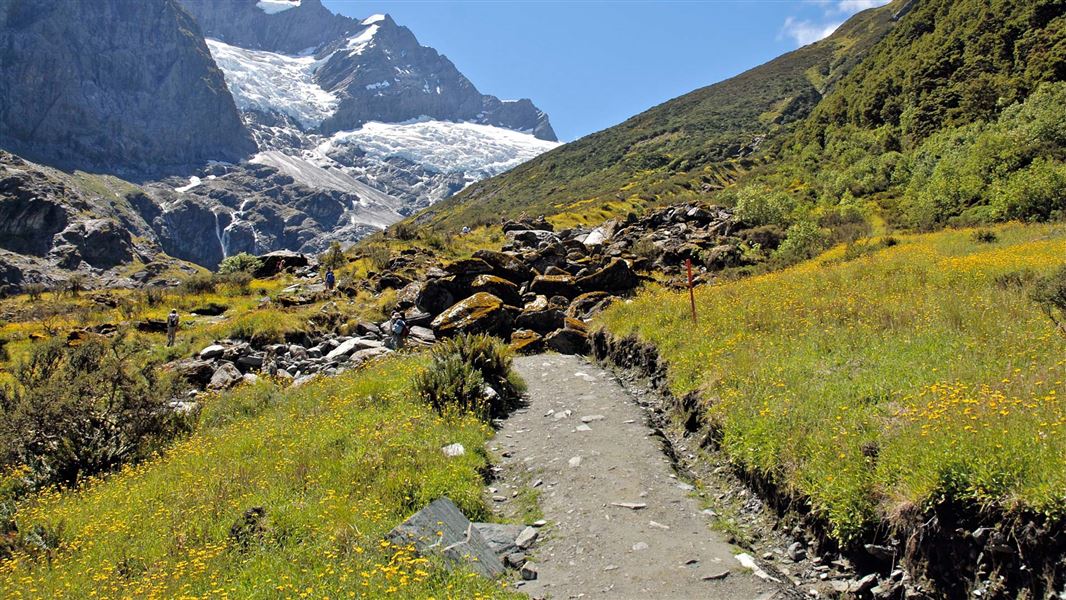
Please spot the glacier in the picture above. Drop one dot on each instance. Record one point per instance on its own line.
(272, 82)
(472, 150)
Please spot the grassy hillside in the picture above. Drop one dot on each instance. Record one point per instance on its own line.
(335, 464)
(682, 147)
(880, 379)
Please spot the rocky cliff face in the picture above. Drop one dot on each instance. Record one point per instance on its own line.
(276, 26)
(113, 85)
(53, 224)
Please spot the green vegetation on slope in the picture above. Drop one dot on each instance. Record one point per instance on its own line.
(334, 464)
(680, 148)
(876, 383)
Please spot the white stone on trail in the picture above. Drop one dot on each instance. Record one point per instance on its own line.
(585, 377)
(658, 525)
(688, 487)
(583, 428)
(748, 562)
(539, 522)
(630, 505)
(562, 415)
(592, 418)
(453, 450)
(575, 462)
(640, 546)
(526, 538)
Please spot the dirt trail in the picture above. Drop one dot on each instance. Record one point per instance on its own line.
(657, 544)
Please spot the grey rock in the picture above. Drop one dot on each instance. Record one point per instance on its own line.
(225, 377)
(527, 538)
(500, 537)
(213, 351)
(528, 571)
(442, 527)
(797, 552)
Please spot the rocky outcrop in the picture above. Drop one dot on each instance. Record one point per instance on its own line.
(307, 24)
(54, 224)
(113, 85)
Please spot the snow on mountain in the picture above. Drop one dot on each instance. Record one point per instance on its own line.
(272, 82)
(357, 44)
(273, 7)
(471, 150)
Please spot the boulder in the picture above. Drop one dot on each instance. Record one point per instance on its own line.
(194, 371)
(352, 345)
(525, 341)
(528, 238)
(538, 303)
(213, 351)
(616, 277)
(540, 321)
(468, 266)
(211, 309)
(278, 261)
(723, 257)
(422, 334)
(225, 377)
(480, 313)
(554, 285)
(581, 307)
(568, 341)
(434, 295)
(576, 325)
(500, 537)
(441, 528)
(505, 265)
(497, 286)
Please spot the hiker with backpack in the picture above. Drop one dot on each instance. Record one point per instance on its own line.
(331, 280)
(172, 326)
(399, 330)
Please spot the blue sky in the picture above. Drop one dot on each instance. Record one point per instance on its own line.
(593, 64)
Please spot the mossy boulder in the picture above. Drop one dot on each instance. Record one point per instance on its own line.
(525, 341)
(554, 285)
(617, 276)
(497, 286)
(480, 313)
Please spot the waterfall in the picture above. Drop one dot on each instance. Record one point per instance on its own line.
(219, 234)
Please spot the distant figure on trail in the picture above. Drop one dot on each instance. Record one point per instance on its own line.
(466, 229)
(399, 330)
(331, 280)
(172, 326)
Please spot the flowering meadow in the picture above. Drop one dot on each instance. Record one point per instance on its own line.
(334, 464)
(877, 386)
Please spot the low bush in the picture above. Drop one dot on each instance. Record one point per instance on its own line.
(470, 373)
(239, 263)
(985, 236)
(1050, 294)
(199, 284)
(74, 412)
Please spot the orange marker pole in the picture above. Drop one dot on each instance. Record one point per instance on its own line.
(691, 293)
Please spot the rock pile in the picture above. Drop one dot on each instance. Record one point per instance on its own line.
(543, 286)
(226, 363)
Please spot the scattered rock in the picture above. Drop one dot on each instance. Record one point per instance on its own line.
(528, 571)
(453, 450)
(630, 505)
(526, 538)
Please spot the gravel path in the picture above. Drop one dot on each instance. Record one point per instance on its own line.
(620, 525)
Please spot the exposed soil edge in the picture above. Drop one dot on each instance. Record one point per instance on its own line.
(950, 551)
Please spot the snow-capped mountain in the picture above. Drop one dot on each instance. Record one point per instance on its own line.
(369, 113)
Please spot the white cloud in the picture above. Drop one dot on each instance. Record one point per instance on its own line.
(806, 32)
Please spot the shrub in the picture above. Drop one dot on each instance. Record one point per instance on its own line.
(1050, 294)
(199, 284)
(76, 284)
(240, 282)
(762, 206)
(333, 258)
(645, 248)
(1036, 193)
(74, 412)
(985, 236)
(34, 291)
(805, 239)
(450, 384)
(379, 256)
(462, 367)
(239, 263)
(153, 296)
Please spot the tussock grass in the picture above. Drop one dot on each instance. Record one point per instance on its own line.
(335, 464)
(881, 385)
